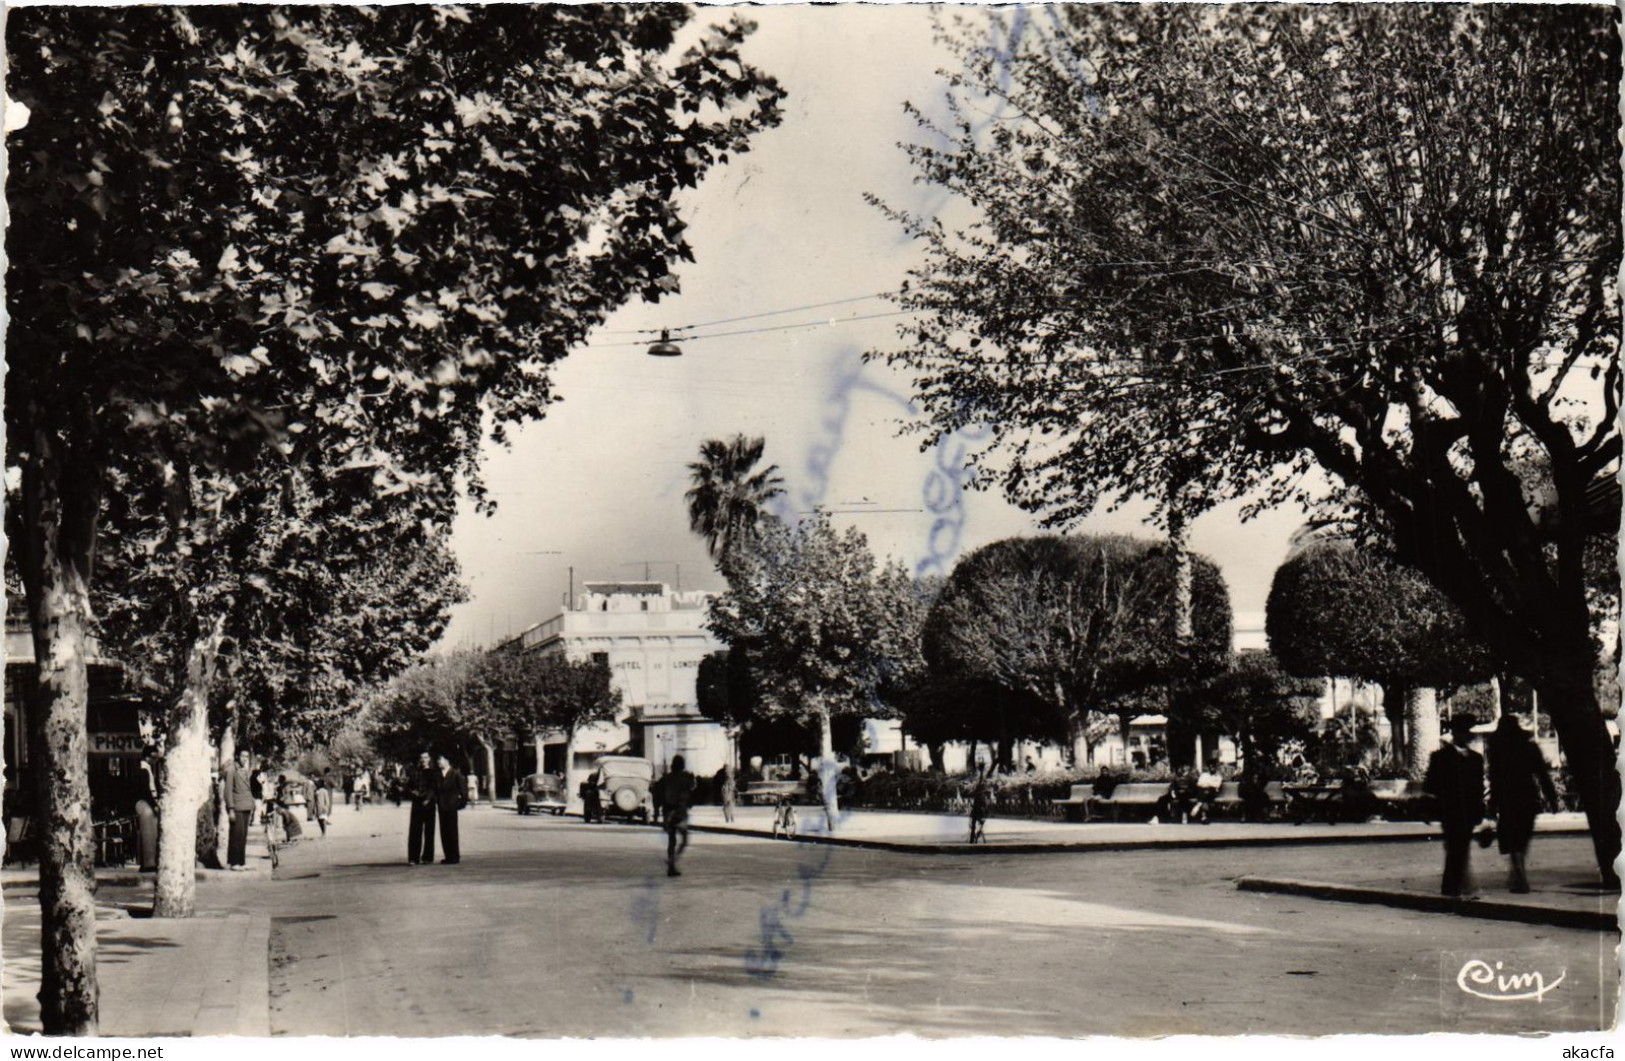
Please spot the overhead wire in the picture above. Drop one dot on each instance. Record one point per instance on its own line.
(771, 328)
(750, 316)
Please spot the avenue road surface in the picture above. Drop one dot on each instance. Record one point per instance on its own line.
(550, 927)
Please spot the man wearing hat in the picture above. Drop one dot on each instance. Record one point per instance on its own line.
(1455, 780)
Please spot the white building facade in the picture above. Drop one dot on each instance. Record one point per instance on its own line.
(652, 639)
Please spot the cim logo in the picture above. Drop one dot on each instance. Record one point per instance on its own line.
(1498, 984)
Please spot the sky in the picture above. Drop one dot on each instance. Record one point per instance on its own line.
(598, 485)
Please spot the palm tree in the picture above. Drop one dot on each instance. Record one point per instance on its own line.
(727, 502)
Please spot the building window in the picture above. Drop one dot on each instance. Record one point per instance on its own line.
(645, 605)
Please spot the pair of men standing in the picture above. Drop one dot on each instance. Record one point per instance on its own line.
(437, 789)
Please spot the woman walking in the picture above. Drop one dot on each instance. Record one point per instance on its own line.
(1519, 778)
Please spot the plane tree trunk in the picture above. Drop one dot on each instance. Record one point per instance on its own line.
(186, 779)
(1394, 696)
(60, 499)
(1591, 759)
(490, 769)
(828, 770)
(1421, 729)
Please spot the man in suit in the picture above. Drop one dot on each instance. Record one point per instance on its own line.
(422, 784)
(241, 804)
(450, 795)
(1455, 780)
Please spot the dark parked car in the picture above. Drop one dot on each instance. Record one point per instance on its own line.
(541, 792)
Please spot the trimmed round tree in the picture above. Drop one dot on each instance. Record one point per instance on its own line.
(1338, 610)
(1067, 625)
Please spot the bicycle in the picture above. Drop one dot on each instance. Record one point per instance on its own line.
(268, 821)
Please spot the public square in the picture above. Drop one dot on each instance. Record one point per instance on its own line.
(553, 928)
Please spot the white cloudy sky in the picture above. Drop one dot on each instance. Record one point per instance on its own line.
(598, 486)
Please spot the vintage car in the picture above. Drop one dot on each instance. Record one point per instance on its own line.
(623, 786)
(541, 792)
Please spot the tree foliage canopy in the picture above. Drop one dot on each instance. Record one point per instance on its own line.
(324, 589)
(451, 701)
(725, 690)
(569, 694)
(727, 503)
(1253, 700)
(420, 708)
(1065, 625)
(367, 226)
(1202, 251)
(824, 629)
(1221, 246)
(1337, 610)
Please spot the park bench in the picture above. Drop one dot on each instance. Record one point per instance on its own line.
(1307, 801)
(1398, 799)
(1266, 804)
(1227, 802)
(1134, 796)
(1275, 800)
(1076, 806)
(21, 843)
(771, 791)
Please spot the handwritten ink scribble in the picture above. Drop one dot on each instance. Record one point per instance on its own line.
(945, 499)
(944, 488)
(1480, 980)
(646, 908)
(763, 962)
(1003, 50)
(837, 407)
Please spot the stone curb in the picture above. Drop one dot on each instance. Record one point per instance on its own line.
(1044, 847)
(1488, 909)
(1038, 847)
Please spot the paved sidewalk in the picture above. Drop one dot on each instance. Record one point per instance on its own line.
(1566, 894)
(165, 977)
